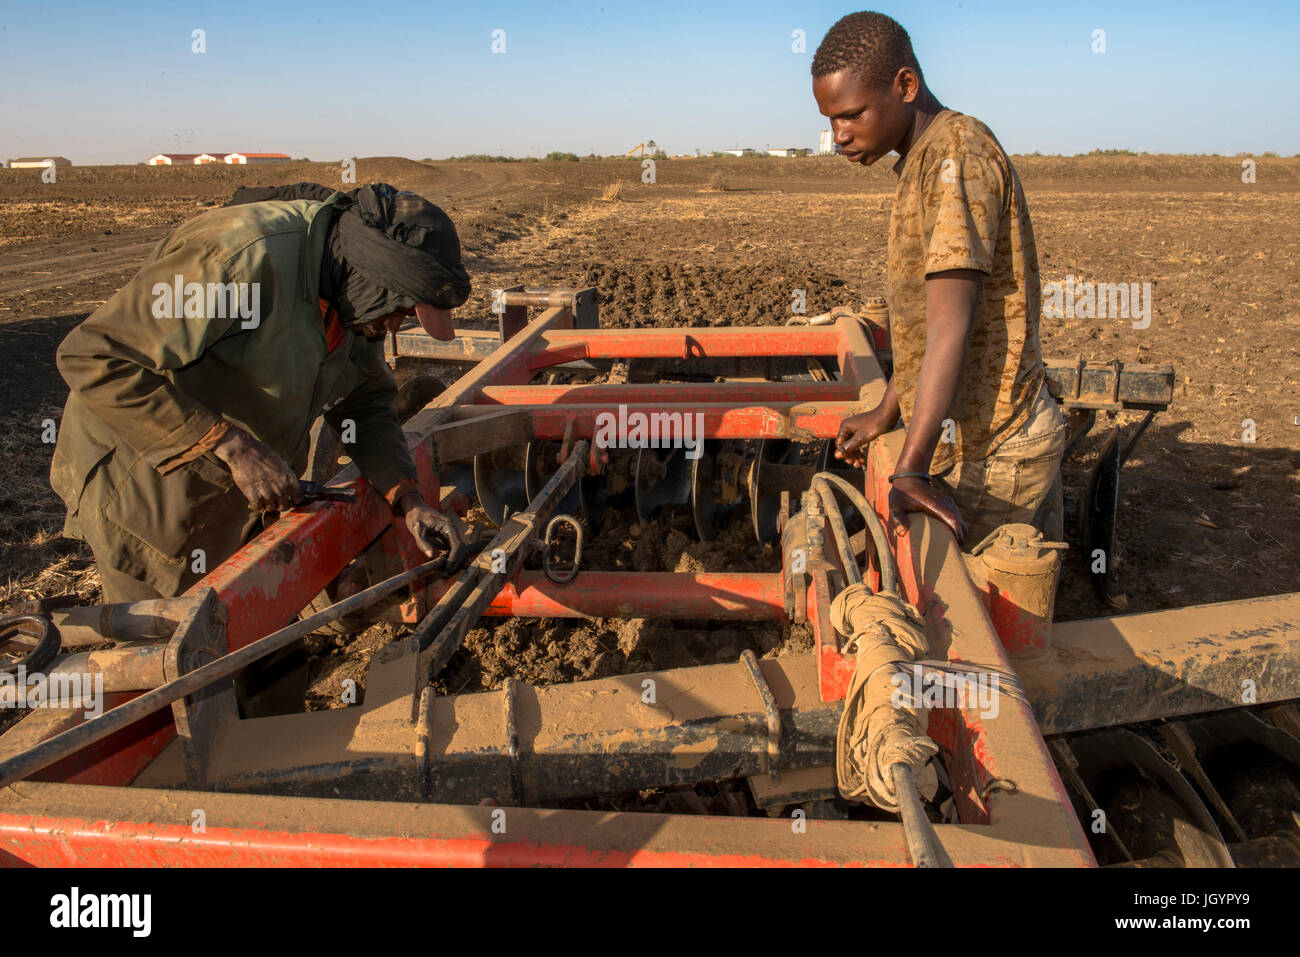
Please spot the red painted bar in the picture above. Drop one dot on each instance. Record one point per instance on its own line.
(678, 343)
(744, 596)
(802, 423)
(265, 583)
(245, 830)
(672, 393)
(513, 362)
(858, 364)
(119, 757)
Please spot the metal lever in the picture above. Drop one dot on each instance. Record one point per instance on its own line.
(316, 492)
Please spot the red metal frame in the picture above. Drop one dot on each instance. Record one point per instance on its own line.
(1012, 804)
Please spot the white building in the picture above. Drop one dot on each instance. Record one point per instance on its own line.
(183, 159)
(39, 162)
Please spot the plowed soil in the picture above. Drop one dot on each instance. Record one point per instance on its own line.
(1206, 514)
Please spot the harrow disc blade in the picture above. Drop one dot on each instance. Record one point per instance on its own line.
(1147, 803)
(765, 483)
(540, 463)
(1100, 506)
(716, 485)
(662, 477)
(764, 507)
(499, 483)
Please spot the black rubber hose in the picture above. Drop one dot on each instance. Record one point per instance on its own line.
(884, 556)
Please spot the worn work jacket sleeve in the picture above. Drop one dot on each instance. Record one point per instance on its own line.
(368, 418)
(117, 360)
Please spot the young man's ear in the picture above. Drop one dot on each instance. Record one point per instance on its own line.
(907, 84)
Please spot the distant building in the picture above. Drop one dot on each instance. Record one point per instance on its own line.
(789, 151)
(825, 144)
(736, 152)
(38, 162)
(203, 159)
(241, 159)
(182, 159)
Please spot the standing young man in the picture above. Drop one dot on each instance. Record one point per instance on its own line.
(984, 438)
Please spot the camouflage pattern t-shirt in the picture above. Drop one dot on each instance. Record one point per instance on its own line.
(960, 206)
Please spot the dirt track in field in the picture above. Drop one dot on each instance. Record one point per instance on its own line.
(1206, 516)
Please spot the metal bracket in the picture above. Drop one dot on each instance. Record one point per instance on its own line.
(515, 301)
(512, 743)
(201, 718)
(773, 758)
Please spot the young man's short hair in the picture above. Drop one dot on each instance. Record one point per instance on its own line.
(870, 44)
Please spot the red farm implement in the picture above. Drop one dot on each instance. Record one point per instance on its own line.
(557, 421)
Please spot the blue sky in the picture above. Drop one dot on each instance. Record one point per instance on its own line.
(116, 82)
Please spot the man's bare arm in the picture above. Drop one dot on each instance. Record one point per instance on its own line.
(950, 299)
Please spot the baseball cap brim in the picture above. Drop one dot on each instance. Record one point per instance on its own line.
(436, 322)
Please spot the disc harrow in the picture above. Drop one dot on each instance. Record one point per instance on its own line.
(713, 426)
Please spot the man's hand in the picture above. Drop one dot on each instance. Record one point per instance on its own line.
(426, 525)
(918, 495)
(259, 471)
(857, 431)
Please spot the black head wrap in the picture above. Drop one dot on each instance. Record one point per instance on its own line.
(386, 250)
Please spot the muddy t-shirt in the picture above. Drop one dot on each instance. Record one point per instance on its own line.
(960, 206)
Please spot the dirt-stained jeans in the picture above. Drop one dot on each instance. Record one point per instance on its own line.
(1020, 482)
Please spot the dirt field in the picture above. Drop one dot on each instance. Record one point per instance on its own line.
(1206, 516)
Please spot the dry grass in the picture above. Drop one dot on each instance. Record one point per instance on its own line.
(35, 560)
(613, 193)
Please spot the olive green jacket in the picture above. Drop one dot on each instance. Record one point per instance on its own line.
(151, 373)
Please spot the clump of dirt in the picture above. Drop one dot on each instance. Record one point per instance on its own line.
(670, 544)
(336, 675)
(555, 650)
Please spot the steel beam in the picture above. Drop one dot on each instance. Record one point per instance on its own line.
(789, 420)
(672, 393)
(679, 343)
(744, 596)
(60, 825)
(603, 736)
(1163, 664)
